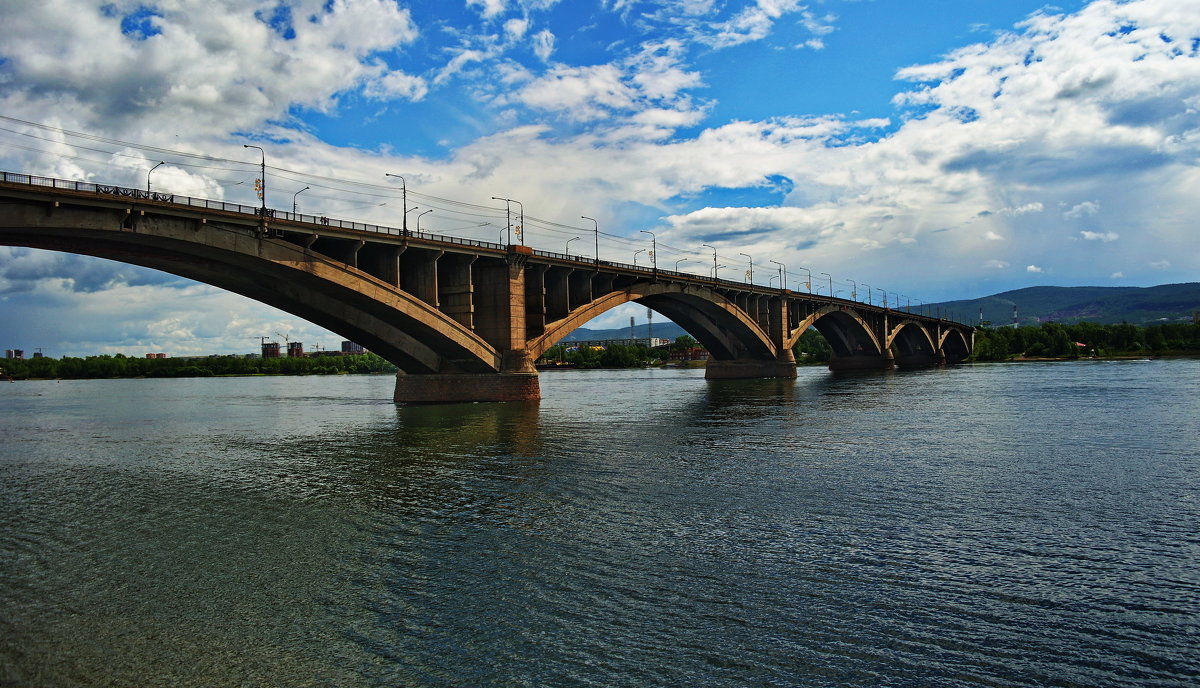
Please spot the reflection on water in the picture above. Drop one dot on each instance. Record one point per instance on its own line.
(1011, 525)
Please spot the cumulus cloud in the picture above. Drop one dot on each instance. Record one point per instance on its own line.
(222, 68)
(1099, 236)
(1082, 210)
(1032, 268)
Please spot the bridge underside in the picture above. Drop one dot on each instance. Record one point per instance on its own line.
(464, 322)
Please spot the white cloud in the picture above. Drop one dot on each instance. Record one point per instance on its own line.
(1117, 275)
(995, 264)
(1035, 207)
(543, 44)
(1032, 268)
(488, 8)
(1163, 264)
(1081, 210)
(992, 236)
(1099, 236)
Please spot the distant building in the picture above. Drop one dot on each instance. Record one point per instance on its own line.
(352, 348)
(14, 353)
(295, 350)
(694, 353)
(270, 350)
(156, 355)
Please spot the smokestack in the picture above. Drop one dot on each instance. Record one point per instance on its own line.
(1014, 316)
(649, 324)
(632, 335)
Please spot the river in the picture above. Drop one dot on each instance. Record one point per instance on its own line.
(984, 525)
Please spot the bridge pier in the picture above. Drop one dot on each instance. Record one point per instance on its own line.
(449, 388)
(748, 369)
(921, 360)
(862, 362)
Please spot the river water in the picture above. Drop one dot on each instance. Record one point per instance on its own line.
(986, 525)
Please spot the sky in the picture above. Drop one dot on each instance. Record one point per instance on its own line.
(933, 149)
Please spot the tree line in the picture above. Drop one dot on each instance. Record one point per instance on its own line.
(119, 365)
(1056, 340)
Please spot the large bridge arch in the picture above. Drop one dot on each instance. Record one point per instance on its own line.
(848, 333)
(716, 322)
(408, 332)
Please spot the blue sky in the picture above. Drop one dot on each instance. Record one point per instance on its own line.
(940, 150)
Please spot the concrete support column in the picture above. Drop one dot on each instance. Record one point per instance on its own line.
(498, 286)
(455, 290)
(418, 274)
(782, 366)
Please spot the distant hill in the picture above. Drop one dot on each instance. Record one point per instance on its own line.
(1136, 305)
(663, 330)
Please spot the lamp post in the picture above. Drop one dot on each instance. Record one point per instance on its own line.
(868, 293)
(830, 281)
(782, 274)
(635, 255)
(161, 162)
(681, 260)
(262, 182)
(750, 272)
(714, 249)
(853, 290)
(653, 250)
(897, 301)
(295, 195)
(597, 227)
(508, 214)
(807, 280)
(419, 219)
(567, 248)
(403, 201)
(771, 281)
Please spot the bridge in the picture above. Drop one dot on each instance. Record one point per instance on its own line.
(463, 320)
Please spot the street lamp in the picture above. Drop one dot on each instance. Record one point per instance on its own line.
(853, 290)
(419, 219)
(567, 248)
(897, 301)
(403, 201)
(750, 272)
(161, 162)
(830, 281)
(262, 182)
(868, 293)
(294, 198)
(807, 280)
(635, 255)
(782, 274)
(508, 213)
(653, 249)
(714, 248)
(681, 260)
(597, 224)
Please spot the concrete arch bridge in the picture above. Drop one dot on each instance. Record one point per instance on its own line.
(464, 320)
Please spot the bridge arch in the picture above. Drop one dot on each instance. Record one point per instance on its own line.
(954, 345)
(715, 321)
(399, 327)
(847, 332)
